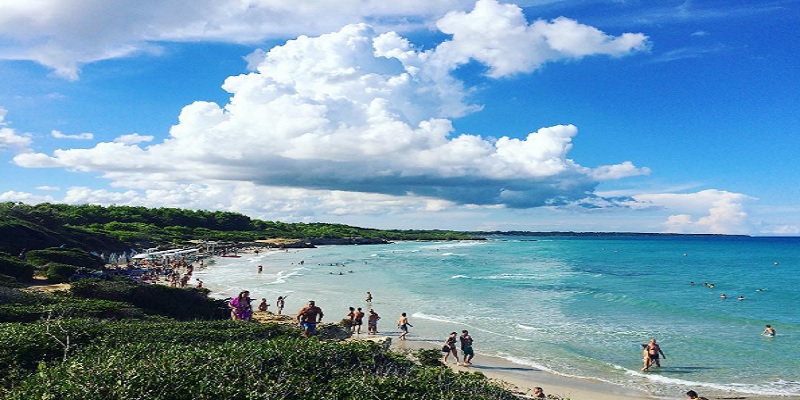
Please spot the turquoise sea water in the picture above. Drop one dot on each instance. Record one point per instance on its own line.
(575, 306)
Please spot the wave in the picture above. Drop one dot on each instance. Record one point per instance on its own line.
(777, 388)
(437, 318)
(282, 276)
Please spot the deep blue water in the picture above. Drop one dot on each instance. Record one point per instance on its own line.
(576, 306)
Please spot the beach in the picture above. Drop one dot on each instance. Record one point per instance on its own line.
(567, 316)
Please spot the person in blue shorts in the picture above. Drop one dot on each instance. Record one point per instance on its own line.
(466, 348)
(308, 317)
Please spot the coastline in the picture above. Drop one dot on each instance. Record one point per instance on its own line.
(524, 377)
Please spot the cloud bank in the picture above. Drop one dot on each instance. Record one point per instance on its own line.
(366, 112)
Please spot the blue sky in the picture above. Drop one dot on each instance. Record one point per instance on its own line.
(582, 115)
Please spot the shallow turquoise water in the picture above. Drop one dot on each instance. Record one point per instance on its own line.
(573, 306)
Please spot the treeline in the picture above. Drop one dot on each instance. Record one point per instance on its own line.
(137, 226)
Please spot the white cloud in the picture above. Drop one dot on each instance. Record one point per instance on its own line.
(351, 111)
(48, 188)
(79, 136)
(9, 139)
(64, 35)
(499, 36)
(133, 138)
(706, 211)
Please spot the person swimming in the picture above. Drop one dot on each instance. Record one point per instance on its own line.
(769, 331)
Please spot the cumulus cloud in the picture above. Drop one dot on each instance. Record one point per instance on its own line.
(706, 211)
(64, 35)
(78, 136)
(499, 36)
(359, 111)
(9, 138)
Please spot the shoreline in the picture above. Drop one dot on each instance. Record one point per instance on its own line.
(522, 379)
(525, 377)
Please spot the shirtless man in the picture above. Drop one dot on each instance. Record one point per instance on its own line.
(403, 324)
(768, 331)
(309, 316)
(653, 350)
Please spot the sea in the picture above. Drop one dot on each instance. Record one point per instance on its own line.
(575, 306)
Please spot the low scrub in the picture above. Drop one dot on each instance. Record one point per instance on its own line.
(181, 304)
(283, 368)
(15, 268)
(67, 256)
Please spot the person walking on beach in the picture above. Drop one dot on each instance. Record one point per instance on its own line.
(466, 348)
(372, 322)
(280, 303)
(692, 395)
(241, 309)
(308, 317)
(450, 347)
(403, 324)
(351, 318)
(653, 350)
(369, 297)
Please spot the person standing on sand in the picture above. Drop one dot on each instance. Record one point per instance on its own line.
(466, 348)
(280, 303)
(372, 322)
(653, 350)
(240, 306)
(308, 317)
(450, 347)
(692, 395)
(403, 324)
(358, 321)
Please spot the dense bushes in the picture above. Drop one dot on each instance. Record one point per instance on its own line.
(283, 368)
(181, 304)
(60, 272)
(76, 257)
(13, 267)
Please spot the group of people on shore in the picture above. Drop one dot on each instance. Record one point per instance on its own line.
(449, 348)
(242, 308)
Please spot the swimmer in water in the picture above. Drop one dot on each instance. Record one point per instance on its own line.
(723, 296)
(768, 331)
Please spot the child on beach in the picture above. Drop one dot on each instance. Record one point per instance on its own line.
(280, 303)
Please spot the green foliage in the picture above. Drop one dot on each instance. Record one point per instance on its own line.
(182, 304)
(69, 307)
(281, 368)
(15, 268)
(69, 256)
(429, 357)
(60, 272)
(99, 228)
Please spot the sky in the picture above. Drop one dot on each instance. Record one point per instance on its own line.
(539, 115)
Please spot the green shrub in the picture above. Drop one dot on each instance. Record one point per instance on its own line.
(282, 368)
(24, 346)
(14, 267)
(182, 304)
(429, 357)
(73, 308)
(67, 256)
(9, 281)
(60, 272)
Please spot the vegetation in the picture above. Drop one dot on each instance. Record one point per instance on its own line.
(81, 345)
(120, 228)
